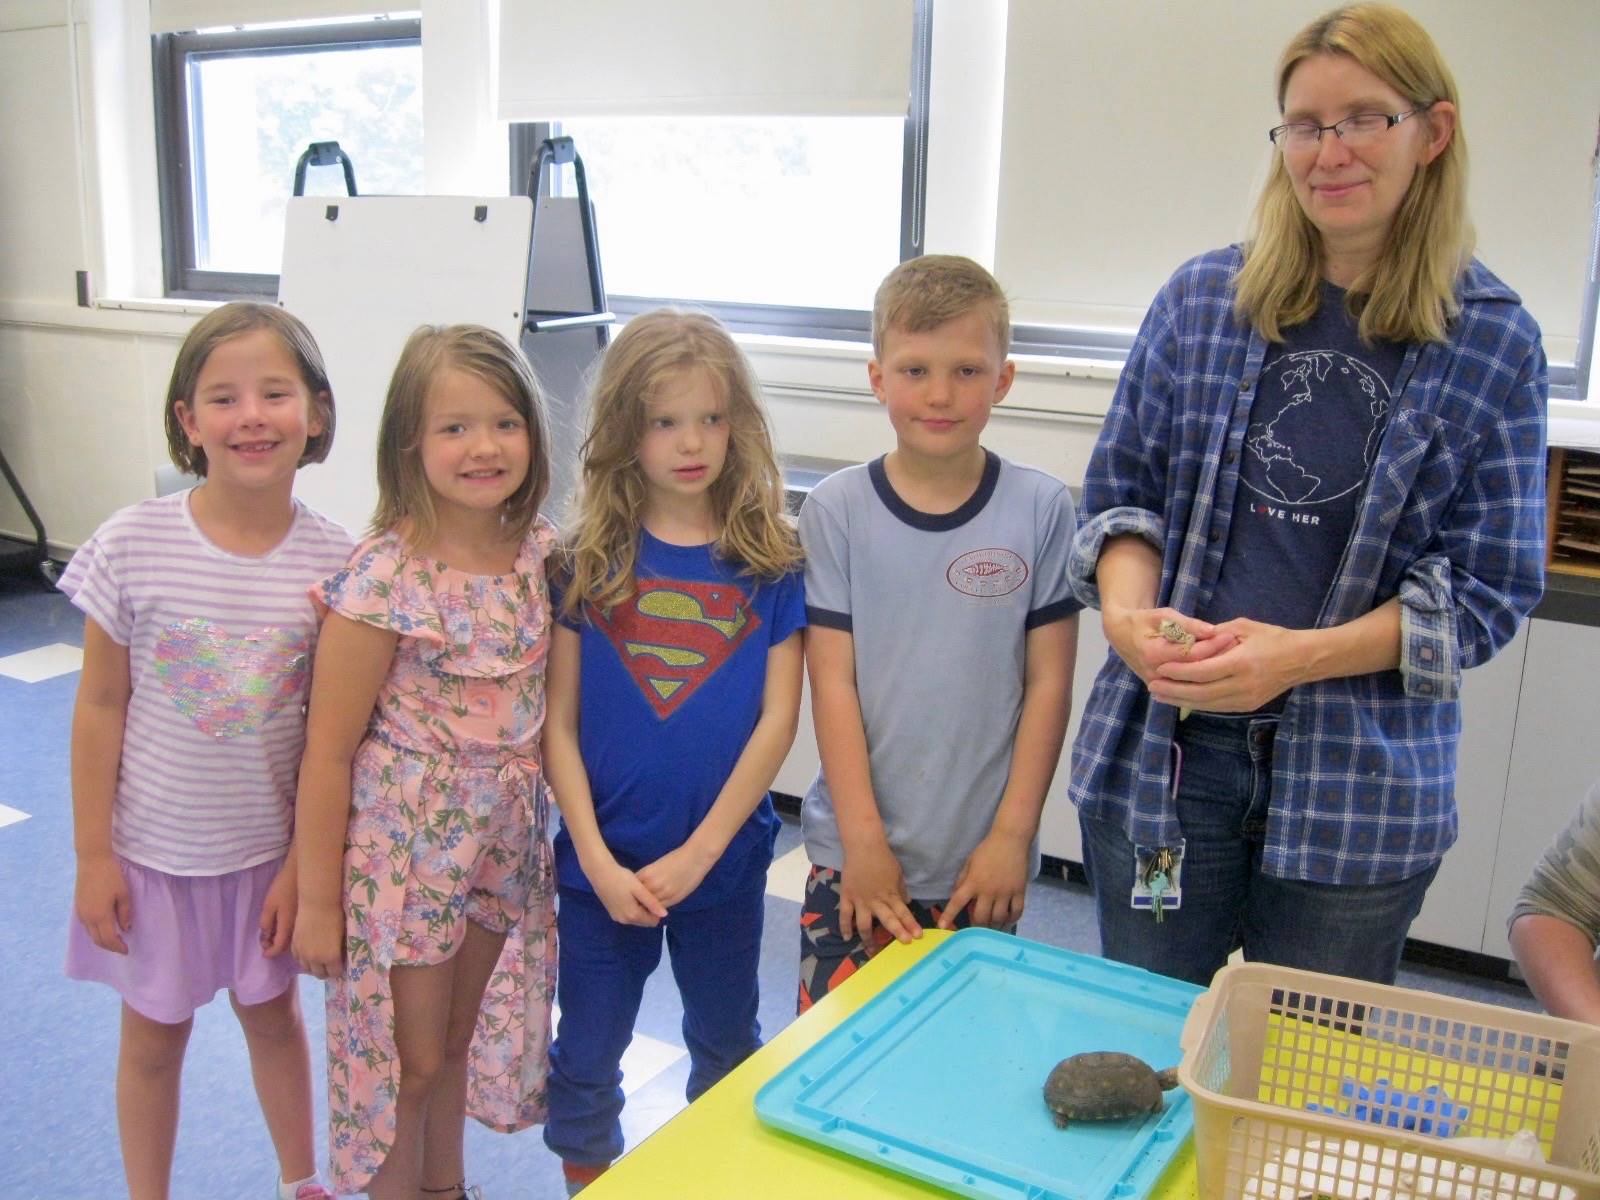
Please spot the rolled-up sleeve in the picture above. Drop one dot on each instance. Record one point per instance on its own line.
(1429, 665)
(1091, 538)
(1465, 599)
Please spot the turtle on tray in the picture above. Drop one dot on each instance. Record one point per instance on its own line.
(1105, 1085)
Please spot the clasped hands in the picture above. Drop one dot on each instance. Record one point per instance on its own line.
(1234, 666)
(643, 897)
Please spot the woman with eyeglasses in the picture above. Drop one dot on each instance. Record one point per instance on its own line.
(1317, 498)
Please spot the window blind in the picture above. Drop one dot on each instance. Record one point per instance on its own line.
(575, 58)
(176, 16)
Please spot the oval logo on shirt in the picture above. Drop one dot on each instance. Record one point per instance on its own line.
(993, 571)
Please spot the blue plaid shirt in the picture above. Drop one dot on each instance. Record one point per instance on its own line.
(1363, 769)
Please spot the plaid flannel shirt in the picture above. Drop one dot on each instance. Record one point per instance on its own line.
(1452, 522)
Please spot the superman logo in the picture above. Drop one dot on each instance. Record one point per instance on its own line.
(673, 635)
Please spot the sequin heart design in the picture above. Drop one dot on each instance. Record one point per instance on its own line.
(231, 685)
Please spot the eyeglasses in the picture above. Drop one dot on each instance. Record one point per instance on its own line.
(1355, 130)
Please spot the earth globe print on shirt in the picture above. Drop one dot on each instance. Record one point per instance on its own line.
(1290, 457)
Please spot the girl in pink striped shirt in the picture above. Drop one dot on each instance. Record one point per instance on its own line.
(188, 731)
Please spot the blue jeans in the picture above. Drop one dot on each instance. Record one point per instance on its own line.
(603, 967)
(1357, 930)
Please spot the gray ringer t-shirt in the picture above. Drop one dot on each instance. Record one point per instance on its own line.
(1565, 883)
(939, 607)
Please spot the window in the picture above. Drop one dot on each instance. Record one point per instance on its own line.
(234, 111)
(781, 225)
(787, 211)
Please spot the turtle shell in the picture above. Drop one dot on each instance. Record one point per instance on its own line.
(1104, 1085)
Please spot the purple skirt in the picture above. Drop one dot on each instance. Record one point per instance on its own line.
(192, 935)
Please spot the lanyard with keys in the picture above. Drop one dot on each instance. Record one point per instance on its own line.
(1157, 870)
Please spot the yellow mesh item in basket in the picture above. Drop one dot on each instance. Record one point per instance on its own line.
(1266, 1042)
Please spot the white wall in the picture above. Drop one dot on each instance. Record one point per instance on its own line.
(1136, 137)
(1047, 170)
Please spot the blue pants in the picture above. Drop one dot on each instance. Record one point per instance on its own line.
(1357, 930)
(603, 967)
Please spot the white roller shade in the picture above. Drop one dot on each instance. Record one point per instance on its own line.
(580, 58)
(1135, 136)
(174, 16)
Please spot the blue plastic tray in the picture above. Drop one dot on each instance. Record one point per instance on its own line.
(940, 1076)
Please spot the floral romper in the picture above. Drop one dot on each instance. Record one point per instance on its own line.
(448, 823)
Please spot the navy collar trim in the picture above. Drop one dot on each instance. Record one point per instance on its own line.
(936, 522)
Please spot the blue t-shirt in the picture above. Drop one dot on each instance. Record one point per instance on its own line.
(1318, 416)
(670, 688)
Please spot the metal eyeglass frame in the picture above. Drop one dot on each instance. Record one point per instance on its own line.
(1393, 119)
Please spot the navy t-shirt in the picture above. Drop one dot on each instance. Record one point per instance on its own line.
(670, 688)
(1321, 408)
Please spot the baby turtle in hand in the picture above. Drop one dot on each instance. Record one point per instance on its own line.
(1176, 634)
(1105, 1085)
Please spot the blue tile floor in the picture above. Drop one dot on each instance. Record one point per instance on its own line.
(58, 1039)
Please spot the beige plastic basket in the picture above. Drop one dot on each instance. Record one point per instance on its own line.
(1265, 1042)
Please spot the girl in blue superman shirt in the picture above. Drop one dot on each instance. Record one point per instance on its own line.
(673, 693)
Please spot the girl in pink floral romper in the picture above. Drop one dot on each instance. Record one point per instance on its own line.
(426, 884)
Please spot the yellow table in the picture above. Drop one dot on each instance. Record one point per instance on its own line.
(717, 1149)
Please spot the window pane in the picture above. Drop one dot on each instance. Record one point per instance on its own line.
(252, 116)
(784, 211)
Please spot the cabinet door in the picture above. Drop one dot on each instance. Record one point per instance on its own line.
(801, 765)
(43, 187)
(1058, 825)
(1555, 756)
(1457, 906)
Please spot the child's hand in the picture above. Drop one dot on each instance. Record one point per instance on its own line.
(873, 888)
(318, 941)
(626, 897)
(278, 912)
(103, 903)
(673, 876)
(994, 880)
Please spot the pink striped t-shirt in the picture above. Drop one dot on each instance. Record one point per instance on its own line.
(219, 652)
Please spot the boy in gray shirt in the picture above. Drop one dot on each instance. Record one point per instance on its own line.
(941, 644)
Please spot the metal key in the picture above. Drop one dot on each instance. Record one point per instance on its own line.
(1158, 878)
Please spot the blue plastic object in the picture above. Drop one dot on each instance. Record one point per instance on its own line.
(941, 1075)
(1430, 1111)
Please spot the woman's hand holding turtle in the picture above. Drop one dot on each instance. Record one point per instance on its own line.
(1149, 638)
(1250, 663)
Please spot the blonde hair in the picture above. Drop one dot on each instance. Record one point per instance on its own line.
(1409, 295)
(231, 321)
(754, 529)
(923, 293)
(405, 500)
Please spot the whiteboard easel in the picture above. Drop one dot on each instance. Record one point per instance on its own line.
(364, 271)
